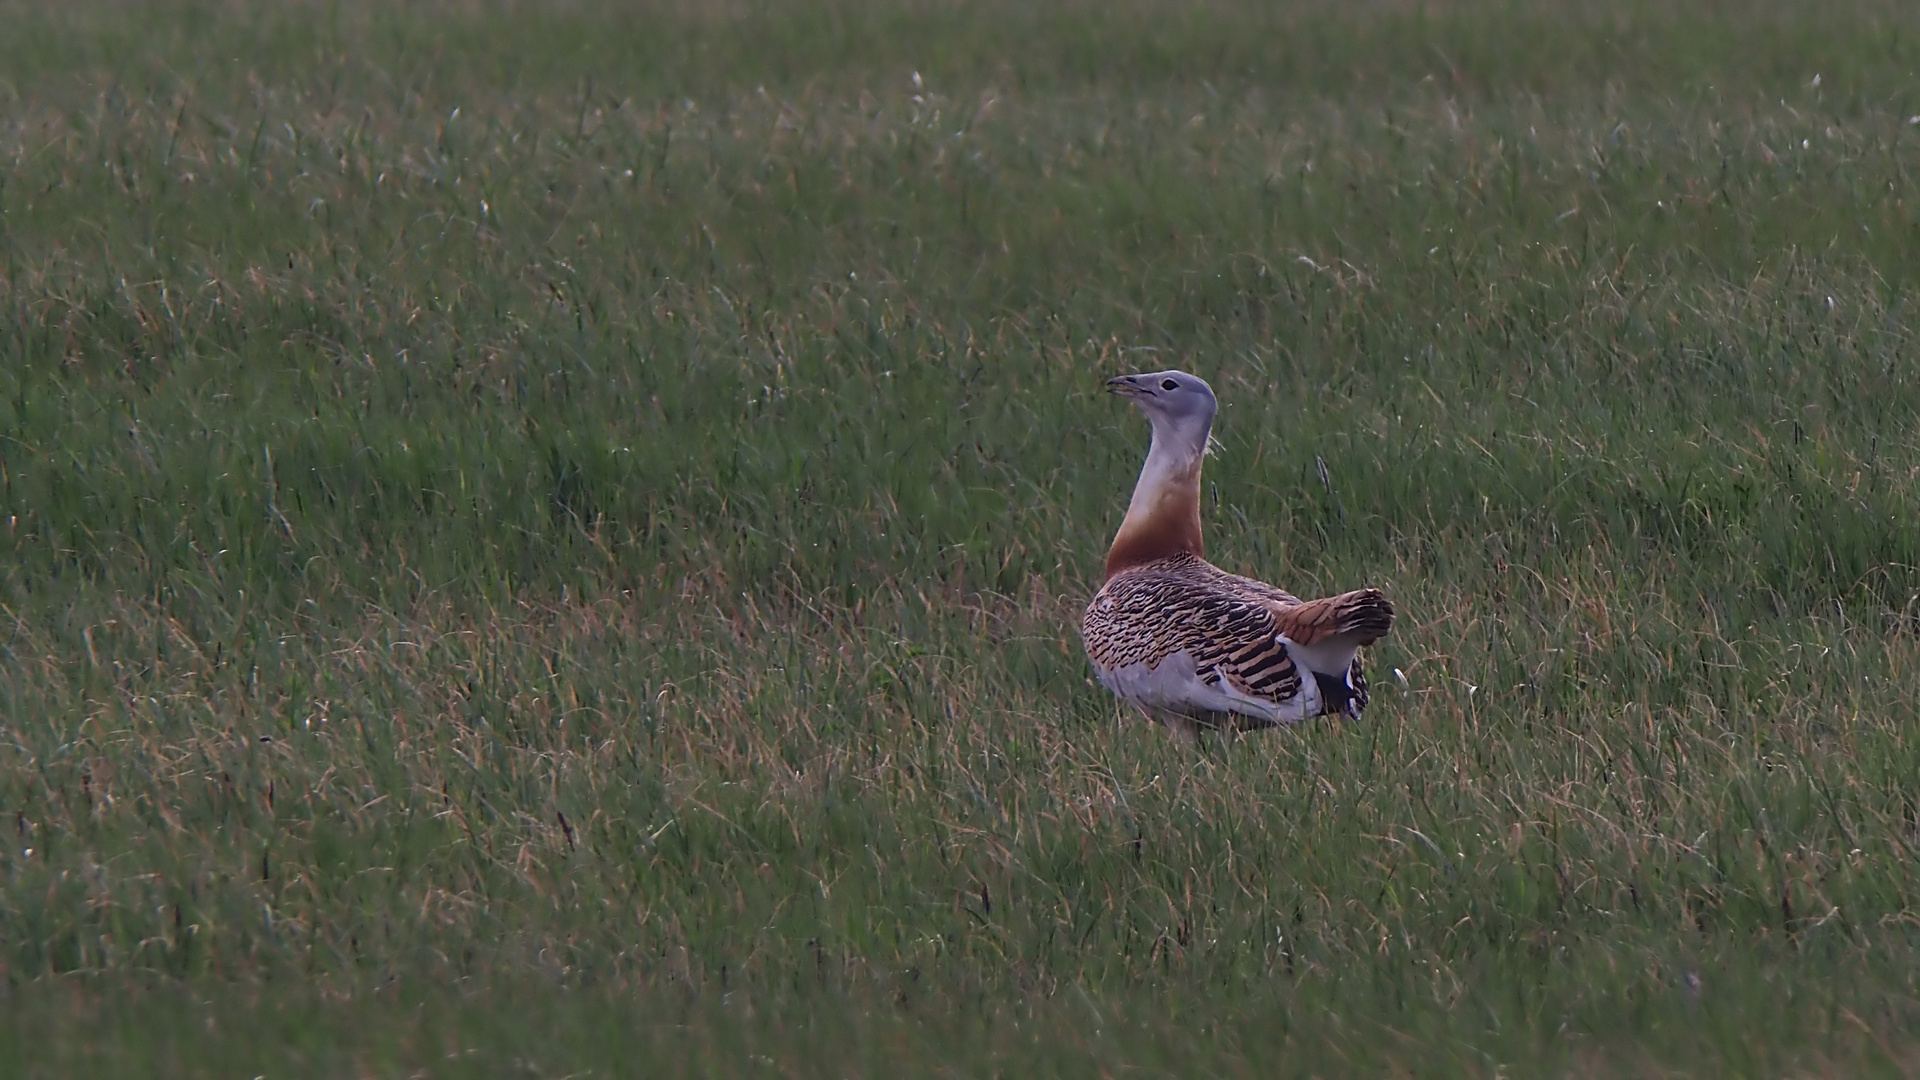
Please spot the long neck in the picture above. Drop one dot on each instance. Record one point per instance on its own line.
(1164, 517)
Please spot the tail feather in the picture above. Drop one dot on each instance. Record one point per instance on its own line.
(1360, 617)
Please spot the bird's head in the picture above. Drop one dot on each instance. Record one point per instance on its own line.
(1175, 402)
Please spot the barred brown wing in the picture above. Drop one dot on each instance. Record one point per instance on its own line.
(1146, 614)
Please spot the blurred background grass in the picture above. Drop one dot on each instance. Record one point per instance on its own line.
(540, 538)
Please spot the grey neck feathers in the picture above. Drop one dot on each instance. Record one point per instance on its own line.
(1163, 518)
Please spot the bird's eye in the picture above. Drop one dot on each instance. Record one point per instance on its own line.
(1169, 384)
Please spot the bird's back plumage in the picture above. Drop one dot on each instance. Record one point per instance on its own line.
(1185, 640)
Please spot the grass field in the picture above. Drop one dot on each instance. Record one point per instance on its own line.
(547, 539)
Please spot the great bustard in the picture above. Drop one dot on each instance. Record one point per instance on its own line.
(1188, 643)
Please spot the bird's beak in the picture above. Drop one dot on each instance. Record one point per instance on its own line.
(1124, 386)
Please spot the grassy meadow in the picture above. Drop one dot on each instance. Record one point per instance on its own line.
(547, 540)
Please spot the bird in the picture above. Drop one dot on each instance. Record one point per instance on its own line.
(1191, 645)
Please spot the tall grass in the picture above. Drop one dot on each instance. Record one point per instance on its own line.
(546, 539)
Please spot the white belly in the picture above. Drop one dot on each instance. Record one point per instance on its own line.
(1175, 686)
